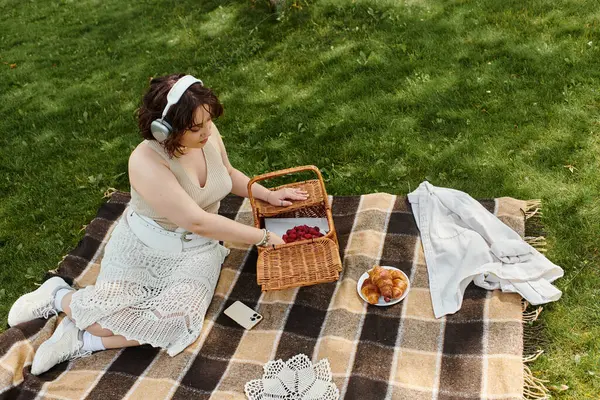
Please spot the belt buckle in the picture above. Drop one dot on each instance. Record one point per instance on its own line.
(184, 238)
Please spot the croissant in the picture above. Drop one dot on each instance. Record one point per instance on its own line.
(370, 291)
(396, 274)
(383, 279)
(396, 292)
(399, 284)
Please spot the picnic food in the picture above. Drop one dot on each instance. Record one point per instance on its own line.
(399, 285)
(370, 291)
(301, 232)
(383, 279)
(390, 284)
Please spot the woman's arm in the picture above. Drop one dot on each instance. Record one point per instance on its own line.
(240, 182)
(240, 186)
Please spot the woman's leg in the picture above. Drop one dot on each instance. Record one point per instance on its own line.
(97, 330)
(66, 304)
(69, 342)
(109, 339)
(94, 329)
(117, 342)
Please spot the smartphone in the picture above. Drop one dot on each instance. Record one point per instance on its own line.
(243, 315)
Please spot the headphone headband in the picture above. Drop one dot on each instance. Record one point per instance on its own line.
(178, 90)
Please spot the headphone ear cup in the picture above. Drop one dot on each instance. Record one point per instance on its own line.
(160, 130)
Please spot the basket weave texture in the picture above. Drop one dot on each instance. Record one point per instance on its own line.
(302, 263)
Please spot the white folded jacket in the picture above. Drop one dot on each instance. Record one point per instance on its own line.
(464, 243)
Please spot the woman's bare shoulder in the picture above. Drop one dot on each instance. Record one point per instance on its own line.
(148, 170)
(144, 155)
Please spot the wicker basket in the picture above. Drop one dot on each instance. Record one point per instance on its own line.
(305, 262)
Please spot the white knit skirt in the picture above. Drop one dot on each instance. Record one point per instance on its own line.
(152, 296)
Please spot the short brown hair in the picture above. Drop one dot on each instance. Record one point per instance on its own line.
(180, 115)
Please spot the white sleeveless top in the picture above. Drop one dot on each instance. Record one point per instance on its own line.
(218, 183)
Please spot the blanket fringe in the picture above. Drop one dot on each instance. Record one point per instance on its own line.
(533, 357)
(532, 316)
(533, 207)
(109, 192)
(533, 388)
(534, 227)
(55, 270)
(537, 242)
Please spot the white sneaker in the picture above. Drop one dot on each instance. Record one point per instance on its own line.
(64, 344)
(37, 304)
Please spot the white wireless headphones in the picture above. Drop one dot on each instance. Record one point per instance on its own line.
(160, 128)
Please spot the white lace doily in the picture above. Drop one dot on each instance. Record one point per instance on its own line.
(295, 379)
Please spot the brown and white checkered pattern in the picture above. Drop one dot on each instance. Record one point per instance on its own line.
(396, 352)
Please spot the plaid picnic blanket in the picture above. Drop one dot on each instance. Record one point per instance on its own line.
(395, 352)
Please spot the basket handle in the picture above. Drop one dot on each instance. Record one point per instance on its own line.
(275, 174)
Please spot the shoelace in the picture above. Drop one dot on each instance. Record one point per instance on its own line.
(45, 311)
(80, 354)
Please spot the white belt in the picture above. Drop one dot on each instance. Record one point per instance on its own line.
(155, 236)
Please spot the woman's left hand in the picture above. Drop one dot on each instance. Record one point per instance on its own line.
(282, 197)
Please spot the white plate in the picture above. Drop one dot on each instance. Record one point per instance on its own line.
(382, 302)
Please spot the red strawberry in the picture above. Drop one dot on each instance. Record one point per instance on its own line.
(290, 231)
(317, 229)
(307, 236)
(285, 238)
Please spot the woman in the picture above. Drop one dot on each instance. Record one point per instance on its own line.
(162, 261)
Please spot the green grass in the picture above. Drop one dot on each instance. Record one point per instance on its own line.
(491, 97)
